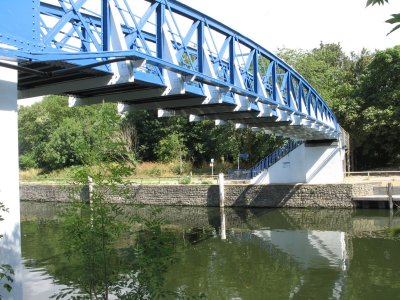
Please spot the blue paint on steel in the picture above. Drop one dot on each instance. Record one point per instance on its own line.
(19, 26)
(72, 21)
(231, 60)
(105, 23)
(200, 49)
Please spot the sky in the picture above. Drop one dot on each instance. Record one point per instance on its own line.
(303, 24)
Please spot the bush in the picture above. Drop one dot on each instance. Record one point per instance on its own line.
(175, 167)
(185, 180)
(27, 161)
(208, 182)
(393, 231)
(171, 148)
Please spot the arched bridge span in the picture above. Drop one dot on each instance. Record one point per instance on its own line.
(157, 54)
(152, 54)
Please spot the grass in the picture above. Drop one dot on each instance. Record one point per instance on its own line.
(145, 173)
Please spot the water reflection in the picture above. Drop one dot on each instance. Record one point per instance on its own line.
(312, 250)
(231, 254)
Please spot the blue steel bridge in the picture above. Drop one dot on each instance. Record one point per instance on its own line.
(157, 54)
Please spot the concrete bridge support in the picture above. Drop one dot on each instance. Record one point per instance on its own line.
(314, 162)
(10, 244)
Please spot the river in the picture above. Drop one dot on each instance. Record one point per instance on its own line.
(209, 253)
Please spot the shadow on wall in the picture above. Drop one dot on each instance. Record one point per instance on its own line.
(265, 196)
(213, 196)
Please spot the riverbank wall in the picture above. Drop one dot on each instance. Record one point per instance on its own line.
(296, 196)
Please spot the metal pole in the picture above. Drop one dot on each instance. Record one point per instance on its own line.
(238, 161)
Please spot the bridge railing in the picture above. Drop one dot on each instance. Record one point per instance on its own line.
(266, 162)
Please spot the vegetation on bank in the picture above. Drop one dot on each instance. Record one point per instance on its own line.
(143, 173)
(393, 231)
(54, 136)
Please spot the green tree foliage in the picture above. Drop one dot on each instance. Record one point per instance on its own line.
(67, 146)
(378, 109)
(6, 271)
(54, 136)
(327, 68)
(163, 138)
(393, 20)
(36, 125)
(90, 230)
(97, 240)
(171, 148)
(363, 91)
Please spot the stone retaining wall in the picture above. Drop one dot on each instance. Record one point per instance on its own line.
(300, 195)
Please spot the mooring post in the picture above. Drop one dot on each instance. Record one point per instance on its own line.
(221, 190)
(390, 195)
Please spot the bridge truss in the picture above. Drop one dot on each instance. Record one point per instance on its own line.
(157, 54)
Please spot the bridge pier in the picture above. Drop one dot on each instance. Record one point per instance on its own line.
(10, 244)
(314, 162)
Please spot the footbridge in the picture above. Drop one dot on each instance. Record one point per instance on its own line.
(157, 54)
(149, 54)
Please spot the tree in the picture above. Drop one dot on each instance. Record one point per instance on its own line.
(163, 139)
(6, 271)
(172, 148)
(67, 146)
(340, 80)
(54, 136)
(36, 124)
(393, 20)
(333, 74)
(379, 113)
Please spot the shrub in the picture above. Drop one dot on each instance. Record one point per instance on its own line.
(27, 161)
(185, 180)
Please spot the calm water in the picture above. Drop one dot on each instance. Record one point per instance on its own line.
(205, 253)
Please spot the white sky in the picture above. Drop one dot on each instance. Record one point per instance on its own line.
(303, 24)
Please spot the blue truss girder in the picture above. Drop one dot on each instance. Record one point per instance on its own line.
(162, 36)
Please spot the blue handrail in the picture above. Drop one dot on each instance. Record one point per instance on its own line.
(266, 162)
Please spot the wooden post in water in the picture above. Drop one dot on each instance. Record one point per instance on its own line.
(221, 190)
(390, 195)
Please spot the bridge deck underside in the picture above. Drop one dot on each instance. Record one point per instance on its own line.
(91, 86)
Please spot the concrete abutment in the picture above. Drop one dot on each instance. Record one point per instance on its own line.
(10, 244)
